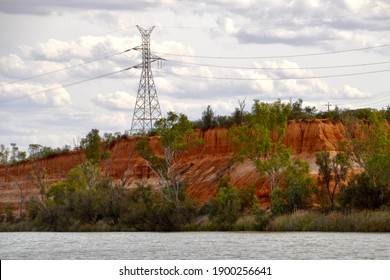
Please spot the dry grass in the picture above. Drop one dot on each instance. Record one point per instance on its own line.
(364, 221)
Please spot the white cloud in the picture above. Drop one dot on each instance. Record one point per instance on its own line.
(172, 47)
(12, 66)
(260, 82)
(356, 5)
(112, 122)
(229, 26)
(351, 92)
(115, 101)
(86, 47)
(58, 97)
(165, 85)
(41, 95)
(277, 79)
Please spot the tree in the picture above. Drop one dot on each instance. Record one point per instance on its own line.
(323, 161)
(145, 209)
(4, 154)
(310, 110)
(260, 139)
(84, 176)
(360, 193)
(298, 112)
(340, 167)
(227, 204)
(332, 171)
(298, 185)
(208, 118)
(4, 160)
(34, 150)
(38, 177)
(238, 114)
(16, 155)
(84, 198)
(297, 106)
(368, 144)
(9, 214)
(19, 181)
(295, 191)
(21, 156)
(91, 144)
(177, 138)
(57, 210)
(387, 112)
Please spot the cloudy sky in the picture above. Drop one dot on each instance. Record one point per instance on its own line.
(216, 52)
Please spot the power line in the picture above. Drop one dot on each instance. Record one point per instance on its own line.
(184, 27)
(279, 68)
(68, 67)
(9, 99)
(368, 103)
(278, 56)
(280, 79)
(379, 97)
(365, 105)
(372, 96)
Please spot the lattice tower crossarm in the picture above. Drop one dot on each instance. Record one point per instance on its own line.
(147, 107)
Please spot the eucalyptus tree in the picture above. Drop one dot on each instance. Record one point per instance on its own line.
(260, 139)
(177, 138)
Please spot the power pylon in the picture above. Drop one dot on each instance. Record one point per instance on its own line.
(147, 108)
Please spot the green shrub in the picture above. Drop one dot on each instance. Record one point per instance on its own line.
(360, 193)
(227, 205)
(262, 219)
(9, 214)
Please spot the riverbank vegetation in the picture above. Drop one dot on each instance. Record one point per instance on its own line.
(339, 200)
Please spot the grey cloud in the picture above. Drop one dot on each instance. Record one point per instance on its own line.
(45, 7)
(259, 22)
(371, 24)
(296, 38)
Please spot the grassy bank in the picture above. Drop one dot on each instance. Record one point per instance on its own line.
(364, 221)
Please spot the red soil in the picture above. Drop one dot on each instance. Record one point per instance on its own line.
(203, 168)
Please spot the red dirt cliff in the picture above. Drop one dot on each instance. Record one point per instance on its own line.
(203, 168)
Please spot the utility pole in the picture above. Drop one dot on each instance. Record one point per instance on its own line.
(147, 107)
(328, 105)
(14, 150)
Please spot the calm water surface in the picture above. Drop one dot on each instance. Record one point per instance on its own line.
(194, 245)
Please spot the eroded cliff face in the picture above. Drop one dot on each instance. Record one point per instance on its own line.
(203, 168)
(307, 137)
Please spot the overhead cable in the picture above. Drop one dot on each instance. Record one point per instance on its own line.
(278, 68)
(379, 98)
(68, 67)
(277, 56)
(278, 79)
(9, 99)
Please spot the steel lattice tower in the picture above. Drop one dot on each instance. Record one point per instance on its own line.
(147, 108)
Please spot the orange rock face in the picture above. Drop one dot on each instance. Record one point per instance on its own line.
(202, 168)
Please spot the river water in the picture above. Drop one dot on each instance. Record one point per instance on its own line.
(194, 245)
